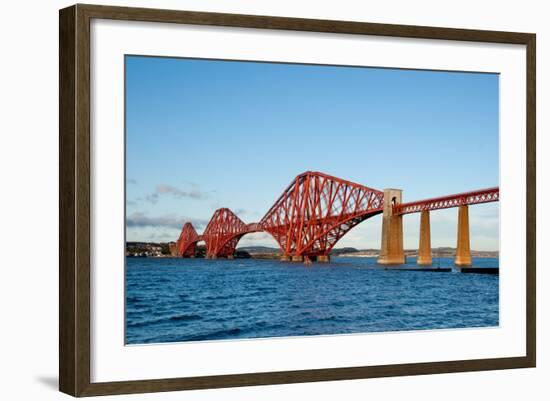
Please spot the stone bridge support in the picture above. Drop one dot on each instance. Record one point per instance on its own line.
(391, 251)
(425, 243)
(463, 254)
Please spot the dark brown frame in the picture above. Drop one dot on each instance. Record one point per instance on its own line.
(74, 199)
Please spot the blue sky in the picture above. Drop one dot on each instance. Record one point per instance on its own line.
(204, 134)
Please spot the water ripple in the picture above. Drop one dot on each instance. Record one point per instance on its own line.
(169, 300)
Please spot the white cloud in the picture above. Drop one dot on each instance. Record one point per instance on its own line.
(139, 219)
(165, 189)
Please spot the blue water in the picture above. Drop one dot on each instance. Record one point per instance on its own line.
(171, 300)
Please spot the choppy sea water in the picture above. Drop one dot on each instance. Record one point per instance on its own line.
(170, 300)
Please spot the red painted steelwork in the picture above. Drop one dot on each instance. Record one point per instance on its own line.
(185, 246)
(308, 219)
(444, 202)
(316, 210)
(311, 215)
(224, 231)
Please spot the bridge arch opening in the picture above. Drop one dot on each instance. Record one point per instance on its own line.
(259, 243)
(229, 247)
(365, 235)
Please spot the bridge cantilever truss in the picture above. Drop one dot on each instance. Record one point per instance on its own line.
(312, 214)
(308, 219)
(224, 231)
(187, 241)
(316, 210)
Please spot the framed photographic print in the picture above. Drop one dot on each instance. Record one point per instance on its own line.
(250, 200)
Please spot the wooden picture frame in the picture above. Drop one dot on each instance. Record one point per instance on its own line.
(74, 200)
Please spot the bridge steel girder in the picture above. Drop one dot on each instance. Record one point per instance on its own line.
(445, 202)
(223, 232)
(316, 210)
(312, 214)
(187, 241)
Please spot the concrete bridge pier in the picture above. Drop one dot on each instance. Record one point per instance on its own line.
(391, 251)
(463, 254)
(425, 245)
(297, 258)
(230, 256)
(285, 258)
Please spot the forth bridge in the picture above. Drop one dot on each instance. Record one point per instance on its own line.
(316, 210)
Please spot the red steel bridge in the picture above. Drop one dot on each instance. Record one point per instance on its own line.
(313, 213)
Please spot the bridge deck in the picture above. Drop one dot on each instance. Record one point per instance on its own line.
(444, 202)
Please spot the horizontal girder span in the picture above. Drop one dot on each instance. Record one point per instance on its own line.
(463, 199)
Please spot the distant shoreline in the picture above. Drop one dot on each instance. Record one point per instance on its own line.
(345, 255)
(162, 249)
